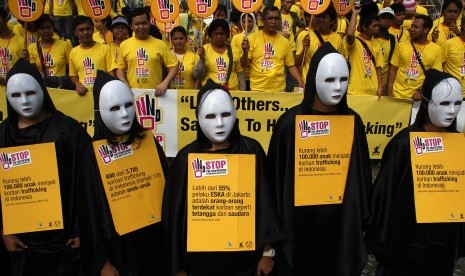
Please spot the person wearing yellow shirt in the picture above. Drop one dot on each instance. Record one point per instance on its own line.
(388, 42)
(62, 12)
(453, 56)
(88, 57)
(11, 46)
(309, 41)
(143, 57)
(342, 24)
(396, 29)
(184, 78)
(365, 54)
(290, 22)
(217, 61)
(268, 53)
(448, 29)
(32, 34)
(120, 30)
(411, 59)
(103, 34)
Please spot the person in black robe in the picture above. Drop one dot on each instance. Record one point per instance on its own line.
(401, 245)
(321, 239)
(244, 263)
(137, 253)
(53, 252)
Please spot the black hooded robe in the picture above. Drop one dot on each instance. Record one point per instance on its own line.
(137, 253)
(320, 239)
(47, 253)
(242, 263)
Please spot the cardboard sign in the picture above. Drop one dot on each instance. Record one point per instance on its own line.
(221, 202)
(247, 6)
(323, 147)
(96, 9)
(202, 8)
(133, 180)
(438, 176)
(315, 6)
(30, 189)
(165, 11)
(343, 7)
(26, 10)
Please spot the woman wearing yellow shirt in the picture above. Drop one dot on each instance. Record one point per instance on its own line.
(121, 31)
(184, 78)
(448, 28)
(103, 33)
(217, 61)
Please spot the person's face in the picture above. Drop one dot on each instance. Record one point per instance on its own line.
(98, 24)
(287, 4)
(271, 22)
(385, 21)
(219, 15)
(249, 23)
(179, 40)
(417, 31)
(120, 32)
(323, 22)
(373, 28)
(25, 95)
(140, 25)
(451, 13)
(116, 104)
(84, 32)
(399, 18)
(45, 30)
(445, 103)
(332, 79)
(217, 117)
(219, 37)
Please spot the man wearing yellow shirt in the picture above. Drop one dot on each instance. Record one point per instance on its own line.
(268, 53)
(411, 59)
(88, 57)
(453, 56)
(448, 29)
(365, 53)
(63, 17)
(11, 46)
(396, 29)
(143, 57)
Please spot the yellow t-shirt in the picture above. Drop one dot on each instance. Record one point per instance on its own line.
(236, 45)
(62, 8)
(143, 60)
(333, 38)
(453, 59)
(10, 51)
(268, 56)
(277, 3)
(385, 49)
(363, 79)
(32, 37)
(295, 9)
(342, 24)
(421, 10)
(107, 40)
(114, 50)
(79, 8)
(410, 75)
(84, 63)
(287, 27)
(55, 57)
(401, 34)
(216, 67)
(444, 32)
(184, 78)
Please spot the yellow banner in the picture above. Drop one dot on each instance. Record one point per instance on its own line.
(30, 189)
(323, 145)
(438, 176)
(221, 202)
(133, 181)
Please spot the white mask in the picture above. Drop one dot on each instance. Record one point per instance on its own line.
(332, 79)
(217, 116)
(446, 99)
(116, 104)
(25, 95)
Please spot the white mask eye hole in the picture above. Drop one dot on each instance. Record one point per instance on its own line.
(129, 104)
(344, 79)
(225, 114)
(330, 80)
(30, 93)
(210, 116)
(16, 95)
(458, 103)
(114, 108)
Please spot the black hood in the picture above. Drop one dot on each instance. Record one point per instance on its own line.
(310, 88)
(202, 140)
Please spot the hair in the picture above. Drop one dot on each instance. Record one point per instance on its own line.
(397, 7)
(107, 21)
(427, 21)
(447, 3)
(81, 19)
(3, 13)
(368, 14)
(139, 11)
(43, 19)
(331, 12)
(178, 29)
(268, 9)
(218, 23)
(222, 8)
(235, 15)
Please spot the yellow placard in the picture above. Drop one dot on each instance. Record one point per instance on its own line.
(202, 8)
(323, 146)
(438, 176)
(165, 11)
(133, 180)
(221, 202)
(247, 6)
(30, 189)
(168, 26)
(26, 10)
(315, 6)
(96, 9)
(343, 7)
